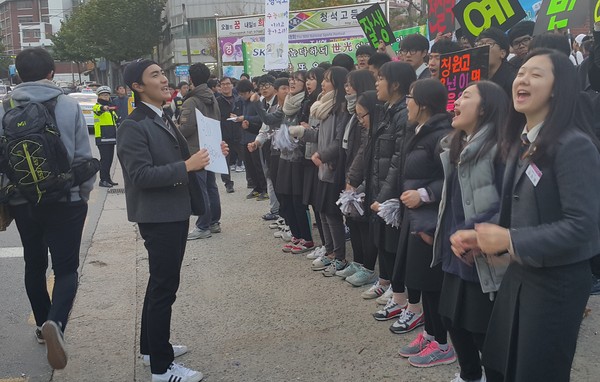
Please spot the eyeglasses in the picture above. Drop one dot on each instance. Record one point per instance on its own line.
(484, 43)
(411, 51)
(361, 117)
(523, 41)
(296, 79)
(264, 86)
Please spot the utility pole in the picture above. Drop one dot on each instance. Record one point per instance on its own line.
(187, 35)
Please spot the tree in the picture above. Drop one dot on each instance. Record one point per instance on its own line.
(309, 4)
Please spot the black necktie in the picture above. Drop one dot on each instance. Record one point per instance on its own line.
(525, 146)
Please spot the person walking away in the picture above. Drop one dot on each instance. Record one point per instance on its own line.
(54, 226)
(105, 132)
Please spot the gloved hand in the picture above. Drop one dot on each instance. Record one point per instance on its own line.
(296, 131)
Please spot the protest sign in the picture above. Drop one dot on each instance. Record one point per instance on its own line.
(558, 14)
(596, 12)
(459, 69)
(375, 25)
(209, 138)
(477, 15)
(440, 17)
(277, 22)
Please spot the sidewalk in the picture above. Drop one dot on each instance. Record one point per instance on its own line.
(247, 311)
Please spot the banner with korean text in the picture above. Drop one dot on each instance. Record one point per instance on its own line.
(559, 14)
(375, 25)
(276, 34)
(440, 18)
(459, 69)
(477, 15)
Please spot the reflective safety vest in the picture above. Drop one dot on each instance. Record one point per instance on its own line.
(105, 126)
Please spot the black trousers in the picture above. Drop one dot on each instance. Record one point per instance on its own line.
(254, 170)
(55, 227)
(165, 243)
(364, 249)
(595, 263)
(236, 153)
(433, 321)
(107, 153)
(468, 345)
(296, 216)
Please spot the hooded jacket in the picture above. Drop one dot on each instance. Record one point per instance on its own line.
(203, 99)
(70, 123)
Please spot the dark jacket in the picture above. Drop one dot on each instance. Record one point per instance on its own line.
(200, 98)
(122, 104)
(152, 158)
(505, 76)
(230, 131)
(250, 113)
(423, 169)
(355, 160)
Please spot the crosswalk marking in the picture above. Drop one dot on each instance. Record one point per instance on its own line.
(11, 252)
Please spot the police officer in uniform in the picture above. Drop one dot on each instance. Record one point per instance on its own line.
(105, 131)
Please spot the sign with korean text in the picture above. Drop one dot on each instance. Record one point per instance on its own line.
(559, 14)
(182, 70)
(440, 18)
(305, 56)
(596, 12)
(375, 25)
(319, 19)
(459, 69)
(276, 34)
(477, 15)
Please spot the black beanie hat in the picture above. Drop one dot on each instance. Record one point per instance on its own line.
(498, 36)
(522, 28)
(133, 73)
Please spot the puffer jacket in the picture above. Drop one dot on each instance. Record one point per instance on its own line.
(423, 169)
(385, 153)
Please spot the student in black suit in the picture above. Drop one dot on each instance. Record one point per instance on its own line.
(160, 197)
(550, 210)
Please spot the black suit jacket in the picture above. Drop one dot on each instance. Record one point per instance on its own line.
(555, 222)
(157, 185)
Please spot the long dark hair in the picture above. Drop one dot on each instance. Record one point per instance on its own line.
(398, 72)
(361, 80)
(562, 105)
(337, 75)
(430, 94)
(369, 101)
(494, 108)
(317, 73)
(302, 75)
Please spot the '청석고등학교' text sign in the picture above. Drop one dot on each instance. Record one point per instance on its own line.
(440, 17)
(375, 25)
(477, 15)
(459, 69)
(559, 14)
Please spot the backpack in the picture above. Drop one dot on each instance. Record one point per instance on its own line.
(32, 155)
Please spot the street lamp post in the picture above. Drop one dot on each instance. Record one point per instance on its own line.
(187, 35)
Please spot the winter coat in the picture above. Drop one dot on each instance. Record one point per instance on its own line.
(203, 99)
(423, 169)
(230, 131)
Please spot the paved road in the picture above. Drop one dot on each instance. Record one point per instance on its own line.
(247, 311)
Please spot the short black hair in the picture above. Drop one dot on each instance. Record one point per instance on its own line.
(212, 83)
(171, 85)
(120, 86)
(444, 46)
(280, 82)
(34, 64)
(266, 79)
(551, 40)
(343, 60)
(398, 72)
(244, 86)
(244, 75)
(366, 50)
(199, 73)
(324, 65)
(283, 75)
(227, 78)
(378, 59)
(182, 83)
(414, 42)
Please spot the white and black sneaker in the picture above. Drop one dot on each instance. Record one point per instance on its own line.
(39, 337)
(178, 373)
(178, 350)
(55, 345)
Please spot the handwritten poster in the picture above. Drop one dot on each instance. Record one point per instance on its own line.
(277, 28)
(440, 17)
(459, 69)
(209, 138)
(477, 15)
(375, 25)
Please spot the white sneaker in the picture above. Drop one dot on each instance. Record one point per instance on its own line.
(286, 236)
(178, 373)
(282, 229)
(376, 290)
(318, 252)
(384, 298)
(177, 351)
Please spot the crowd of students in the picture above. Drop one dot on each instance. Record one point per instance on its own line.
(498, 228)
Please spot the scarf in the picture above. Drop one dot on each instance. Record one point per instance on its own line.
(292, 103)
(351, 103)
(322, 107)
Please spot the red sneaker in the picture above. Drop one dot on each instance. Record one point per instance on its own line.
(288, 247)
(302, 246)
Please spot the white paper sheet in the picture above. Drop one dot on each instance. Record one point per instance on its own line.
(209, 137)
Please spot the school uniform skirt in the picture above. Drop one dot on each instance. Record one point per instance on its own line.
(534, 325)
(290, 178)
(417, 256)
(310, 182)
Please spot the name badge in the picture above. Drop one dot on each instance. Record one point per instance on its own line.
(534, 174)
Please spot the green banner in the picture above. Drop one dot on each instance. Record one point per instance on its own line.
(308, 56)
